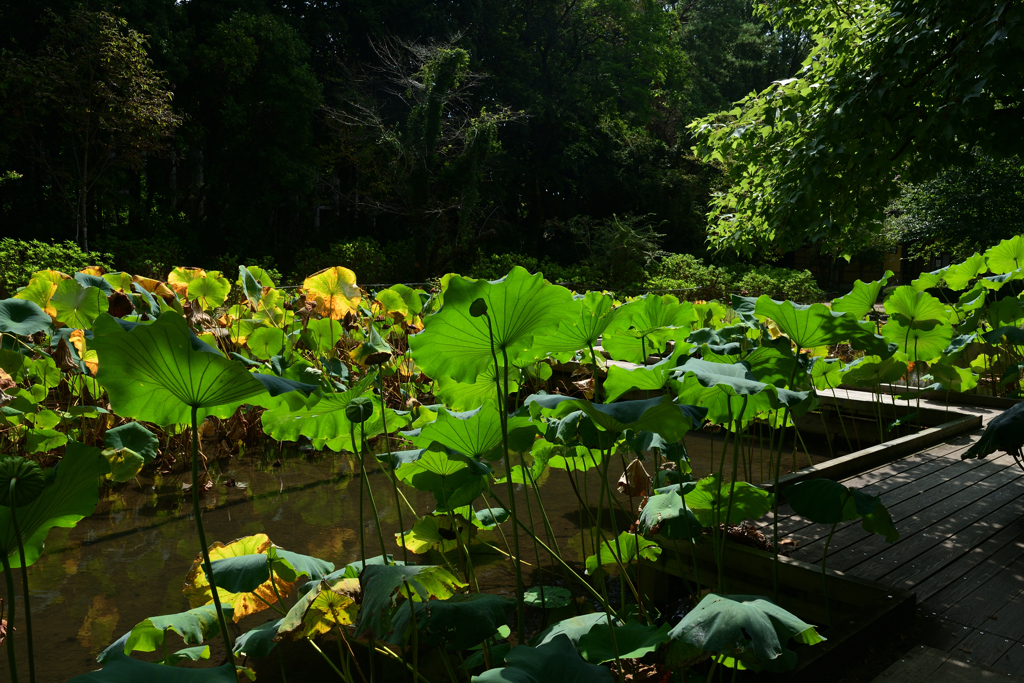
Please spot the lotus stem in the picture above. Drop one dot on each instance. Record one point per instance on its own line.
(207, 565)
(24, 585)
(369, 493)
(391, 465)
(12, 664)
(503, 419)
(357, 450)
(329, 662)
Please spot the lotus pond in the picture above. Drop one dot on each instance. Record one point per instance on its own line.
(181, 479)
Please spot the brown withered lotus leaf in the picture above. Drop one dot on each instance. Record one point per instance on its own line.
(119, 305)
(62, 356)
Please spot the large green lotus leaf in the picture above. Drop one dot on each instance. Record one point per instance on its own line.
(828, 373)
(862, 299)
(660, 415)
(1006, 311)
(958, 276)
(626, 548)
(472, 395)
(1006, 256)
(134, 437)
(650, 378)
(40, 288)
(153, 373)
(556, 661)
(919, 343)
(120, 668)
(78, 306)
(666, 513)
(475, 434)
(265, 342)
(748, 501)
(382, 583)
(871, 371)
(573, 458)
(43, 440)
(574, 628)
(436, 531)
(454, 480)
(118, 282)
(321, 336)
(915, 309)
(953, 378)
(209, 290)
(23, 318)
(194, 626)
(282, 391)
(929, 280)
(329, 604)
(824, 501)
(258, 642)
(990, 282)
(325, 421)
(520, 306)
(652, 320)
(401, 299)
(582, 326)
(462, 620)
(773, 362)
(724, 389)
(374, 350)
(252, 280)
(632, 640)
(815, 325)
(72, 495)
(745, 628)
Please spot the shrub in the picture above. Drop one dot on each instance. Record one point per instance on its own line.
(20, 258)
(363, 256)
(686, 271)
(497, 265)
(153, 257)
(795, 285)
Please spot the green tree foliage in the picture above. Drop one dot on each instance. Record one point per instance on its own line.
(891, 90)
(966, 208)
(88, 102)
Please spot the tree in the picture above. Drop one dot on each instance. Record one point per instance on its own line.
(965, 208)
(88, 102)
(891, 91)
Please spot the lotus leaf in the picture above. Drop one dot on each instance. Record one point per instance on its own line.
(472, 395)
(730, 392)
(861, 300)
(749, 630)
(547, 597)
(573, 458)
(260, 641)
(953, 378)
(462, 620)
(120, 668)
(209, 290)
(155, 374)
(918, 324)
(991, 282)
(827, 502)
(435, 532)
(1006, 256)
(929, 280)
(958, 276)
(43, 440)
(710, 501)
(828, 373)
(118, 282)
(194, 626)
(321, 336)
(871, 371)
(1005, 311)
(632, 640)
(334, 290)
(582, 326)
(265, 342)
(134, 437)
(23, 318)
(324, 421)
(520, 306)
(644, 325)
(181, 277)
(815, 325)
(401, 300)
(658, 415)
(666, 513)
(624, 549)
(556, 661)
(645, 378)
(476, 434)
(455, 481)
(40, 288)
(72, 495)
(329, 604)
(383, 583)
(373, 351)
(773, 363)
(197, 587)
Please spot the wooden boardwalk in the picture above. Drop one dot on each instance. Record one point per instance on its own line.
(961, 547)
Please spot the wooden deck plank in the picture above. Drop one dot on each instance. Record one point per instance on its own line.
(983, 647)
(853, 546)
(934, 525)
(944, 588)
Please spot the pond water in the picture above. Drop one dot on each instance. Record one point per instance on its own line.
(128, 561)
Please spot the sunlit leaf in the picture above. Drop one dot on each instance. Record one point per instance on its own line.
(334, 290)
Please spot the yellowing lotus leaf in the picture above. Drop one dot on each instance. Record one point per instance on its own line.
(334, 290)
(180, 277)
(197, 587)
(98, 271)
(90, 358)
(40, 289)
(154, 287)
(329, 604)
